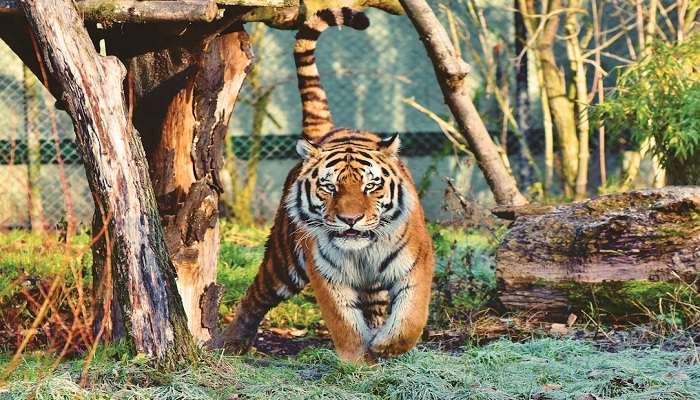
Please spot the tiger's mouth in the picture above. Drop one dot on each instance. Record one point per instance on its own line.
(353, 234)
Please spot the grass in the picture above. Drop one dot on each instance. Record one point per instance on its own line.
(537, 369)
(23, 254)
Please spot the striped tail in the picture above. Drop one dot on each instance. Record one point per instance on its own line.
(317, 119)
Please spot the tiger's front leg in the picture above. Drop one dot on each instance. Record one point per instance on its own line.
(408, 308)
(344, 319)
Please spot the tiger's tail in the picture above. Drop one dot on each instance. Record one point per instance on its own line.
(317, 120)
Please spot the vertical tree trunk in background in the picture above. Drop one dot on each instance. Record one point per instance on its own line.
(522, 93)
(522, 99)
(646, 34)
(143, 283)
(560, 106)
(36, 208)
(450, 71)
(597, 18)
(526, 9)
(581, 103)
(184, 97)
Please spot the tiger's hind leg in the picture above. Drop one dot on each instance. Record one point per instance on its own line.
(280, 277)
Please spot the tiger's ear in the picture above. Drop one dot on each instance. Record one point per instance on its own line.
(390, 146)
(307, 149)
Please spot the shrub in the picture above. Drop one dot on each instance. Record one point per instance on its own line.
(658, 99)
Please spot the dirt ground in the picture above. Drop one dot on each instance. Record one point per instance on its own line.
(284, 343)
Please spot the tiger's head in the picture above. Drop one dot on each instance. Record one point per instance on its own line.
(351, 189)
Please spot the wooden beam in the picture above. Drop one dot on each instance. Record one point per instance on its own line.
(281, 14)
(113, 11)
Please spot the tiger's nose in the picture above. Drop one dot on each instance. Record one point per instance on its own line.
(351, 219)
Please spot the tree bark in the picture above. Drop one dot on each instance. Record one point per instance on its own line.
(451, 71)
(134, 252)
(184, 96)
(553, 253)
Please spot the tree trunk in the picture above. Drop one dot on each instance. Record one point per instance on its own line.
(561, 108)
(522, 97)
(578, 71)
(133, 250)
(451, 71)
(37, 218)
(184, 96)
(551, 254)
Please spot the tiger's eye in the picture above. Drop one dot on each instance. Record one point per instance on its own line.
(328, 187)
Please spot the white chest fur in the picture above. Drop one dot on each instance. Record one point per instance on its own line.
(381, 264)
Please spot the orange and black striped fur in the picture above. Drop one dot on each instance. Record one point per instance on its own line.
(350, 224)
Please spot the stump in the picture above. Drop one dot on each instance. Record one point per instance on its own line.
(550, 252)
(183, 100)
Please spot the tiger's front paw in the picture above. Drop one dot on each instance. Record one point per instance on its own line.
(383, 346)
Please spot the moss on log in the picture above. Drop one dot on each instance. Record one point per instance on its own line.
(553, 258)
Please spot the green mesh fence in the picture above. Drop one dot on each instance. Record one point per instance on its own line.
(367, 75)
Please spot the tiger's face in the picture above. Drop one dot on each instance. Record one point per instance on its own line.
(350, 190)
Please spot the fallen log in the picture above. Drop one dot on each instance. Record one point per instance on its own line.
(551, 254)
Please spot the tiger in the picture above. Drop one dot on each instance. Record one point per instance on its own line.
(349, 224)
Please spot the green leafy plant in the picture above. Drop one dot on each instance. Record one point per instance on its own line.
(657, 100)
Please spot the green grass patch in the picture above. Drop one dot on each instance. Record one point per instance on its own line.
(537, 369)
(242, 250)
(27, 255)
(465, 272)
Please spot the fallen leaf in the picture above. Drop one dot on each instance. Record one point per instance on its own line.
(289, 332)
(588, 397)
(552, 386)
(596, 373)
(558, 329)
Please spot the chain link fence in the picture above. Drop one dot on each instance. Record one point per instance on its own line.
(367, 75)
(42, 179)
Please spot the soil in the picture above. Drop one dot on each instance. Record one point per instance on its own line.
(271, 343)
(453, 341)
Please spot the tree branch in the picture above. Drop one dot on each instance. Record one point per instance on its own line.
(451, 71)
